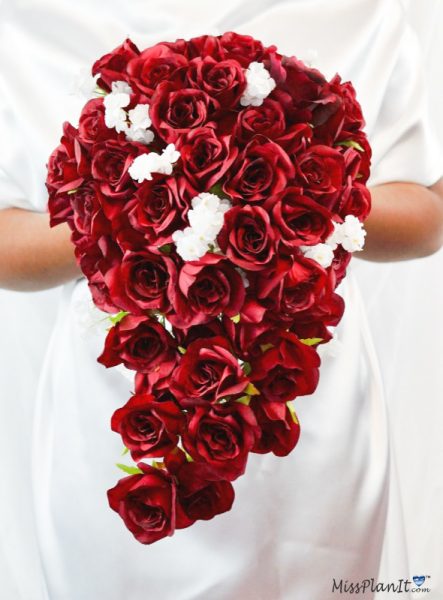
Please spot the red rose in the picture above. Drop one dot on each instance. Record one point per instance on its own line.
(67, 164)
(176, 111)
(355, 200)
(146, 503)
(243, 48)
(198, 497)
(221, 79)
(285, 368)
(143, 281)
(88, 218)
(92, 127)
(267, 120)
(207, 288)
(148, 428)
(204, 45)
(112, 66)
(206, 157)
(208, 372)
(320, 171)
(154, 65)
(247, 237)
(280, 429)
(261, 170)
(301, 220)
(141, 344)
(313, 323)
(221, 436)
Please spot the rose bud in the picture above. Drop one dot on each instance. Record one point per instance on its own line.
(221, 436)
(280, 429)
(207, 372)
(285, 368)
(141, 344)
(149, 428)
(146, 503)
(207, 288)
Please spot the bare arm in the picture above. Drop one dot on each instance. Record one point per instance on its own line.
(406, 222)
(33, 256)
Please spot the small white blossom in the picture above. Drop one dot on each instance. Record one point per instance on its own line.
(336, 236)
(143, 136)
(353, 234)
(190, 246)
(145, 164)
(323, 254)
(259, 84)
(121, 87)
(114, 103)
(85, 84)
(139, 116)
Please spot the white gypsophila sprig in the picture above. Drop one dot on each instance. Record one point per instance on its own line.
(206, 219)
(323, 254)
(140, 121)
(115, 102)
(85, 84)
(259, 84)
(145, 165)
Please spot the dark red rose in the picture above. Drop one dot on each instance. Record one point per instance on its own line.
(340, 263)
(296, 284)
(208, 372)
(161, 207)
(320, 171)
(198, 497)
(313, 323)
(176, 111)
(221, 436)
(204, 45)
(146, 503)
(88, 218)
(143, 281)
(355, 200)
(205, 156)
(243, 48)
(207, 288)
(352, 115)
(267, 120)
(263, 169)
(149, 428)
(109, 167)
(112, 66)
(304, 84)
(67, 164)
(247, 237)
(221, 79)
(154, 65)
(141, 344)
(357, 156)
(301, 220)
(92, 127)
(280, 429)
(286, 367)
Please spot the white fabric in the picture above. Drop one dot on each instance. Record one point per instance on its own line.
(297, 522)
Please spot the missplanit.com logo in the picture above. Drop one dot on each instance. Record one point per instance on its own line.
(418, 584)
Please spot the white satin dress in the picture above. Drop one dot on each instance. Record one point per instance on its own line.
(298, 522)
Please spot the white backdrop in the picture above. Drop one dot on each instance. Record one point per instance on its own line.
(404, 303)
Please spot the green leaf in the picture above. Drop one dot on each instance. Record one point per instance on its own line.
(251, 390)
(311, 341)
(265, 347)
(292, 411)
(129, 470)
(118, 317)
(246, 368)
(217, 190)
(166, 248)
(188, 457)
(125, 451)
(235, 319)
(351, 144)
(244, 400)
(158, 464)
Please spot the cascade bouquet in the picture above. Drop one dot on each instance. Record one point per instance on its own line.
(215, 190)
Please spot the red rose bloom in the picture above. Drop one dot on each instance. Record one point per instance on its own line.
(286, 369)
(141, 344)
(261, 170)
(208, 372)
(148, 428)
(243, 48)
(267, 120)
(92, 127)
(206, 288)
(176, 111)
(223, 80)
(355, 200)
(221, 436)
(112, 66)
(146, 503)
(321, 173)
(247, 237)
(280, 430)
(154, 65)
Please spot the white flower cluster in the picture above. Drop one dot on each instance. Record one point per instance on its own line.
(206, 219)
(145, 164)
(135, 122)
(350, 234)
(259, 84)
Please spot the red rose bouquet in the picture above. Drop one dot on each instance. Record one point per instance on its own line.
(215, 190)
